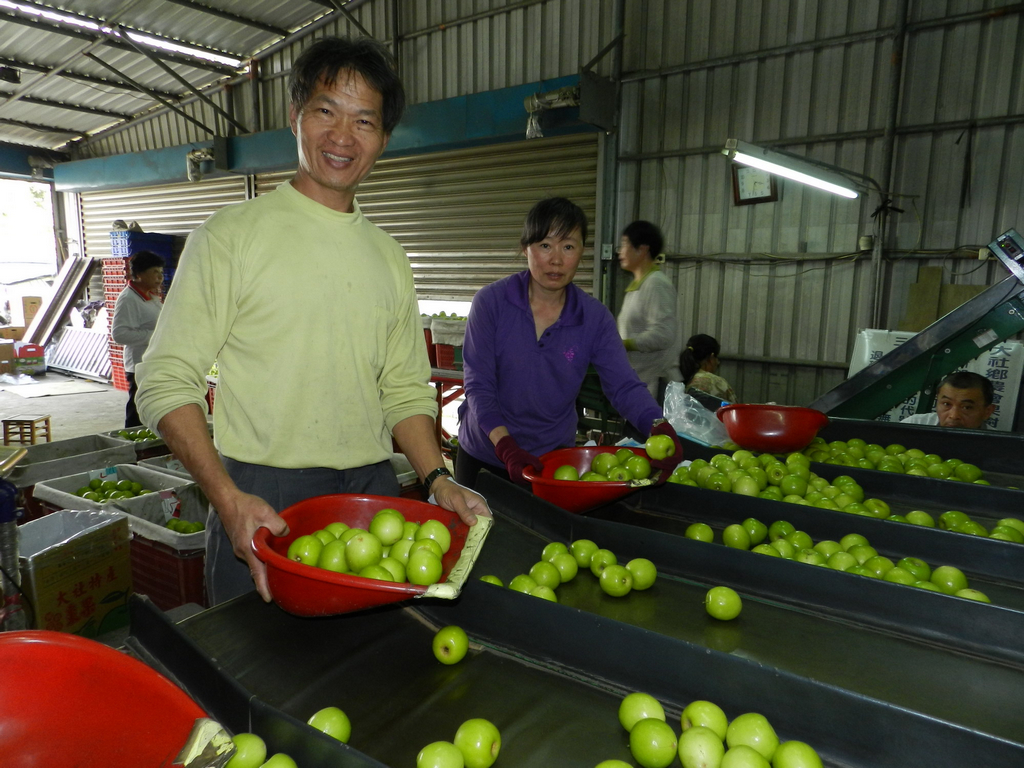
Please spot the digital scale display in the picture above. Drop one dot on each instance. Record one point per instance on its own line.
(1009, 248)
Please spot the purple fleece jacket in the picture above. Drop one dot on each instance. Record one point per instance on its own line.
(529, 386)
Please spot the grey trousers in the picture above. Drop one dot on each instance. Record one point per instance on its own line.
(227, 576)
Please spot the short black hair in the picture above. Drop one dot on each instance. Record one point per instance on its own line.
(143, 261)
(969, 380)
(555, 216)
(325, 59)
(642, 232)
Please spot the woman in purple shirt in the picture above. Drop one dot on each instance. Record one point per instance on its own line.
(529, 341)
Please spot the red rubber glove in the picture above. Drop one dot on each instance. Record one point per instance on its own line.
(516, 459)
(670, 462)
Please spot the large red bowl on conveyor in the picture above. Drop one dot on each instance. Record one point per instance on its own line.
(69, 701)
(578, 495)
(306, 590)
(771, 428)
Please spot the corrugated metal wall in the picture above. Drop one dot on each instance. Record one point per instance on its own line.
(459, 214)
(776, 282)
(812, 76)
(174, 209)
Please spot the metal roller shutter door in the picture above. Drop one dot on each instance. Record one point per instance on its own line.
(459, 214)
(173, 209)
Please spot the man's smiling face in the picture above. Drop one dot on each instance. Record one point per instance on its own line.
(339, 135)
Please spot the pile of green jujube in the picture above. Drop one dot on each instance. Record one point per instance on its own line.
(767, 477)
(184, 526)
(708, 739)
(559, 563)
(111, 490)
(851, 554)
(792, 480)
(391, 549)
(138, 435)
(892, 458)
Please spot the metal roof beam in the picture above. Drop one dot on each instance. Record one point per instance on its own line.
(97, 81)
(352, 19)
(40, 128)
(202, 96)
(169, 105)
(71, 107)
(109, 38)
(191, 4)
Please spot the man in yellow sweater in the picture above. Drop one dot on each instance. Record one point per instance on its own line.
(310, 312)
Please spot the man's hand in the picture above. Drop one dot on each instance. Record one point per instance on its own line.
(455, 498)
(241, 516)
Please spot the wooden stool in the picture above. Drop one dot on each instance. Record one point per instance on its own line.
(25, 428)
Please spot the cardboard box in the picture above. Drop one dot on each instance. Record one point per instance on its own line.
(76, 570)
(30, 305)
(6, 356)
(15, 332)
(29, 359)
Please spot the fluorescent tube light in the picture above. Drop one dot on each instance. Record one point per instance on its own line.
(790, 167)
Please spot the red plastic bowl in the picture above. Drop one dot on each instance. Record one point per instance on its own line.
(771, 428)
(66, 700)
(575, 495)
(306, 590)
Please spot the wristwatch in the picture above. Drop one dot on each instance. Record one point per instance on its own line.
(439, 472)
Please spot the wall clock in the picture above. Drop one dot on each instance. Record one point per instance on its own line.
(752, 185)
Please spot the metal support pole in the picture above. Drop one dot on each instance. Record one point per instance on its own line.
(888, 152)
(604, 273)
(254, 95)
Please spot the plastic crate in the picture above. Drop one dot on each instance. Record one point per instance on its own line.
(125, 243)
(118, 378)
(168, 277)
(115, 265)
(448, 357)
(169, 577)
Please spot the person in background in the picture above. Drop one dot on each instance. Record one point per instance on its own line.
(964, 401)
(529, 341)
(699, 365)
(647, 321)
(310, 312)
(135, 315)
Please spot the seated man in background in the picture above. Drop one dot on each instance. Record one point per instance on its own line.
(964, 401)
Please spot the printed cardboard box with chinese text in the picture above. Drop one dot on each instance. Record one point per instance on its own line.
(76, 570)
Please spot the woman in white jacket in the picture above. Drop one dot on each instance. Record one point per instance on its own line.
(135, 316)
(647, 321)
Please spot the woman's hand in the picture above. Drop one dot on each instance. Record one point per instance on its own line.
(516, 459)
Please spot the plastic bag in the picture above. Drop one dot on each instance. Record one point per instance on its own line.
(688, 417)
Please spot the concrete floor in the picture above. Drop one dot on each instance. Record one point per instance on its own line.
(71, 416)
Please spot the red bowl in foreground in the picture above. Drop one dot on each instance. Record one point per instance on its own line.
(66, 700)
(306, 590)
(771, 428)
(575, 495)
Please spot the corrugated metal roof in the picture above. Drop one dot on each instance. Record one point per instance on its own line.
(76, 80)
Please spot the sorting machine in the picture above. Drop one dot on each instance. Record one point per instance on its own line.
(869, 673)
